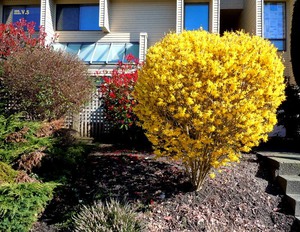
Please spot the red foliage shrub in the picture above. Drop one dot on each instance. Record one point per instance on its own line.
(116, 93)
(17, 36)
(46, 84)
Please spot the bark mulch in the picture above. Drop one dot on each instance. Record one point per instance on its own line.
(240, 198)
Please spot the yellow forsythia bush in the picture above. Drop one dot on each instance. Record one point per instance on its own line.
(204, 99)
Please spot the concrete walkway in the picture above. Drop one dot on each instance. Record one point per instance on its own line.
(285, 169)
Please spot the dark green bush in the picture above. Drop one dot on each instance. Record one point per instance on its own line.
(107, 217)
(21, 204)
(18, 136)
(289, 112)
(62, 163)
(295, 37)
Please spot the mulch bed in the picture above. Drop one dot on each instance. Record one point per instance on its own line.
(240, 198)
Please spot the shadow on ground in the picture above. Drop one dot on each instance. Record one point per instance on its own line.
(117, 174)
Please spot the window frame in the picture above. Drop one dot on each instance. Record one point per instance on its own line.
(284, 39)
(207, 3)
(78, 19)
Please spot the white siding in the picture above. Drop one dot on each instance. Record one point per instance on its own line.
(249, 17)
(232, 4)
(94, 36)
(134, 16)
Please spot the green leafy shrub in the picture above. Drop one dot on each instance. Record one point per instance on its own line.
(7, 174)
(21, 204)
(46, 84)
(107, 217)
(18, 136)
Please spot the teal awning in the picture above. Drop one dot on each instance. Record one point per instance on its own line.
(100, 53)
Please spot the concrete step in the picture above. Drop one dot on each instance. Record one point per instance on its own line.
(290, 184)
(282, 163)
(294, 202)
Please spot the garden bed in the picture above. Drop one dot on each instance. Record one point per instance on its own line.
(240, 198)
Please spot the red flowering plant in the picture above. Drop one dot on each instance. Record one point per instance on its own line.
(20, 35)
(116, 93)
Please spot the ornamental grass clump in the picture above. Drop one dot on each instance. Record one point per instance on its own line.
(205, 99)
(107, 217)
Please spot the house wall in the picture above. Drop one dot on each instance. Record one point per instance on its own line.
(232, 4)
(20, 2)
(287, 55)
(156, 17)
(127, 19)
(249, 18)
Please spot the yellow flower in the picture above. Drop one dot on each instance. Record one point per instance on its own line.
(212, 175)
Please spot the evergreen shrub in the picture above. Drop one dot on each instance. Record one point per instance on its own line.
(7, 174)
(18, 136)
(21, 204)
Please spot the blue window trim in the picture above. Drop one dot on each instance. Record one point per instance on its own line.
(284, 39)
(195, 4)
(60, 7)
(12, 7)
(76, 48)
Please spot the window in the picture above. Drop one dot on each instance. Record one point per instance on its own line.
(12, 14)
(196, 16)
(77, 18)
(100, 53)
(274, 24)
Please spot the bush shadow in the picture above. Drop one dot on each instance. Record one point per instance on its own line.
(112, 173)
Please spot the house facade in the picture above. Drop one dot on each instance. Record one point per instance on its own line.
(101, 32)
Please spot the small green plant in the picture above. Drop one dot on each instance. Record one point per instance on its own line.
(21, 204)
(107, 217)
(7, 174)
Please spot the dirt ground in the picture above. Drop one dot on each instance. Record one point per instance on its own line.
(240, 198)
